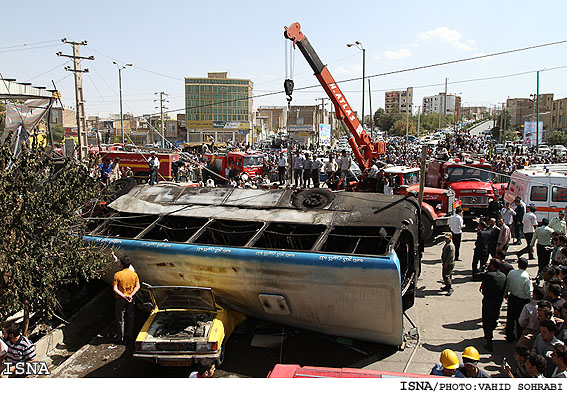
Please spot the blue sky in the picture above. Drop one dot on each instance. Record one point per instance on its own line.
(188, 39)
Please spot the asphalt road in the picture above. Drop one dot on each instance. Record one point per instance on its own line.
(443, 322)
(479, 129)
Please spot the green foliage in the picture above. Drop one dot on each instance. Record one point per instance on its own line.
(556, 137)
(58, 132)
(41, 246)
(385, 121)
(399, 128)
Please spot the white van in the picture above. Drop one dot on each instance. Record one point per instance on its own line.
(546, 188)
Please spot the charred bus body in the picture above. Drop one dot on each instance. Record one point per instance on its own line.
(337, 263)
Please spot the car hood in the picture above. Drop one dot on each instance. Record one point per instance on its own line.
(467, 185)
(183, 297)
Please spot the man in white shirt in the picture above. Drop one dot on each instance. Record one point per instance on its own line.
(153, 163)
(456, 225)
(344, 165)
(298, 168)
(519, 289)
(558, 223)
(529, 226)
(316, 166)
(508, 214)
(282, 164)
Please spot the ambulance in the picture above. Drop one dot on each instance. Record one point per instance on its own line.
(543, 186)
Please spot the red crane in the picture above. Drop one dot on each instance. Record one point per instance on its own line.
(360, 140)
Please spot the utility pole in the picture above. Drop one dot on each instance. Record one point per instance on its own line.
(161, 107)
(537, 115)
(502, 123)
(79, 96)
(418, 118)
(371, 114)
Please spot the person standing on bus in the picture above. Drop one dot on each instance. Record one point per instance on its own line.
(153, 163)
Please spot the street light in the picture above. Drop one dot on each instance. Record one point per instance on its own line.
(120, 68)
(358, 44)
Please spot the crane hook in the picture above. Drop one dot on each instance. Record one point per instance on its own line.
(288, 87)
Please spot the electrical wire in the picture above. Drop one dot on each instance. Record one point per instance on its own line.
(27, 49)
(27, 45)
(43, 73)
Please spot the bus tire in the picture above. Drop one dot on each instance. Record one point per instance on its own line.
(119, 188)
(428, 229)
(312, 199)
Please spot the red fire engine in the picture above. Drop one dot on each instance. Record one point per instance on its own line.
(439, 204)
(138, 162)
(472, 181)
(249, 162)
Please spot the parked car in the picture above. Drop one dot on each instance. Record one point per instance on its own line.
(185, 324)
(559, 150)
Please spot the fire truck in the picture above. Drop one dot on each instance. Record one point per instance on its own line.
(363, 148)
(138, 162)
(473, 182)
(438, 204)
(249, 162)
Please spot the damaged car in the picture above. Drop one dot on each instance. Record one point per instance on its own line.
(185, 325)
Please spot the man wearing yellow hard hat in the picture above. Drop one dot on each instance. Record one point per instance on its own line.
(447, 365)
(470, 368)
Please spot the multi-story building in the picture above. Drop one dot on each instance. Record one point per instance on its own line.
(273, 118)
(218, 106)
(399, 101)
(439, 104)
(474, 112)
(559, 114)
(524, 110)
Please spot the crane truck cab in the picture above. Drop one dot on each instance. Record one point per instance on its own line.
(438, 204)
(472, 181)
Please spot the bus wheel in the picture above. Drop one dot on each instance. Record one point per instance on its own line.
(119, 188)
(312, 199)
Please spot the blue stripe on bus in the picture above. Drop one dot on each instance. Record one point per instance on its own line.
(386, 262)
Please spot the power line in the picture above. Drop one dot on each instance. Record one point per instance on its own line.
(48, 71)
(27, 45)
(27, 49)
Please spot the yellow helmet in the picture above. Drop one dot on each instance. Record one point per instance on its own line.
(472, 353)
(449, 359)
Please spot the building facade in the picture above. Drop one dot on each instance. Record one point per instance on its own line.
(524, 110)
(439, 104)
(559, 114)
(218, 106)
(398, 101)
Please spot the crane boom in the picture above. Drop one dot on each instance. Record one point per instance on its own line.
(360, 139)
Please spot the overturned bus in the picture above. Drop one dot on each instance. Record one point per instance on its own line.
(338, 263)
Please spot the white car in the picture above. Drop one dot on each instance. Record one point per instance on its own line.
(559, 150)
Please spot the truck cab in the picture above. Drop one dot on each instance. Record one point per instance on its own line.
(251, 163)
(438, 204)
(471, 180)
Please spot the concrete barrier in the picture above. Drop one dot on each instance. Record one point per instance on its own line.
(82, 325)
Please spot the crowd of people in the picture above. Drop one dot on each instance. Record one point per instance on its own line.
(536, 319)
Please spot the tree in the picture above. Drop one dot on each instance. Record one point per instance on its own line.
(385, 121)
(58, 132)
(556, 137)
(41, 245)
(399, 128)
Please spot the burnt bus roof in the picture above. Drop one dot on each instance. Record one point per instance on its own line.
(364, 209)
